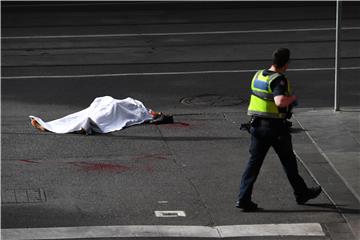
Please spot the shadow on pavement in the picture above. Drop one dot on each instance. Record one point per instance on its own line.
(340, 208)
(326, 207)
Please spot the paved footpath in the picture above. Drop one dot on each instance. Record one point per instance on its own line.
(336, 136)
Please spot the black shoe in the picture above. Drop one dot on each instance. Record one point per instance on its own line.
(310, 194)
(162, 119)
(247, 206)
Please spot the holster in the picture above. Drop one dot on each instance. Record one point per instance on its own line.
(245, 127)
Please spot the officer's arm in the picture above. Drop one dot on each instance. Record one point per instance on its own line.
(284, 101)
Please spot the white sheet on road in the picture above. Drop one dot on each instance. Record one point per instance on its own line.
(105, 114)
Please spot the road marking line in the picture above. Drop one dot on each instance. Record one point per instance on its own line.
(179, 33)
(299, 229)
(167, 73)
(295, 229)
(70, 5)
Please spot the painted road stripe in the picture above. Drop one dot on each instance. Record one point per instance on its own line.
(263, 230)
(178, 33)
(72, 4)
(296, 229)
(167, 73)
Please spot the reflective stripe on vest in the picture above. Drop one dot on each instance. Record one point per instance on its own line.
(262, 98)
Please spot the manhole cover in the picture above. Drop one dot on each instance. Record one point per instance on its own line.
(212, 100)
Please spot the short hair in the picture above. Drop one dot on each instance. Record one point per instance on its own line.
(280, 57)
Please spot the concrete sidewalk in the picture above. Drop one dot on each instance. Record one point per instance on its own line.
(337, 136)
(336, 139)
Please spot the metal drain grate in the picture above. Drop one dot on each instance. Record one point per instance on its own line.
(170, 214)
(212, 100)
(22, 196)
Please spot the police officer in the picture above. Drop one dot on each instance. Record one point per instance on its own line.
(270, 105)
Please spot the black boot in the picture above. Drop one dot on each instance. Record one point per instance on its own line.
(162, 119)
(247, 206)
(310, 194)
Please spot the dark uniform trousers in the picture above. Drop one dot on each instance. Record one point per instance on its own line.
(264, 134)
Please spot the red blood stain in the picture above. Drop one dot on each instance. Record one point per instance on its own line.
(28, 161)
(87, 166)
(149, 168)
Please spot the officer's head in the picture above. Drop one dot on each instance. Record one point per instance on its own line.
(281, 57)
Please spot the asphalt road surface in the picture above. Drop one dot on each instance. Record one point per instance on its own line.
(194, 60)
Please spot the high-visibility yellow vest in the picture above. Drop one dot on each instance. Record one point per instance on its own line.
(262, 99)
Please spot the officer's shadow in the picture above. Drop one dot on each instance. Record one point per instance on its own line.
(325, 207)
(297, 130)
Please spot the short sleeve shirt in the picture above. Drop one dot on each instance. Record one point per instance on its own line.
(278, 85)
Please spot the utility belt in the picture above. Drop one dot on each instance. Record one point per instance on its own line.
(277, 124)
(267, 122)
(273, 123)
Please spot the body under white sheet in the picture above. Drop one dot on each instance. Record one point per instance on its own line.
(105, 114)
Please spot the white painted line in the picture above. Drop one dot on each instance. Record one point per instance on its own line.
(70, 5)
(264, 230)
(107, 231)
(164, 73)
(170, 214)
(177, 33)
(257, 230)
(130, 74)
